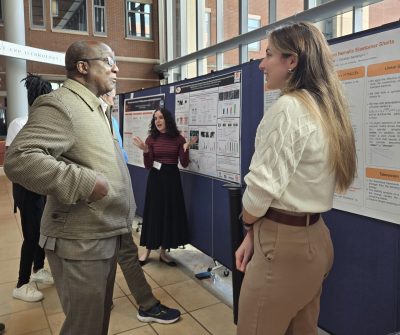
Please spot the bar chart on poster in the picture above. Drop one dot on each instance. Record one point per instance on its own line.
(210, 109)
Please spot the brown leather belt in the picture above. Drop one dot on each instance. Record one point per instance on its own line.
(291, 220)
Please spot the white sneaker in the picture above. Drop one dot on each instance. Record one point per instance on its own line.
(42, 276)
(27, 293)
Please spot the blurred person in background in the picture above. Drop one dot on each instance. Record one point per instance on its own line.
(31, 206)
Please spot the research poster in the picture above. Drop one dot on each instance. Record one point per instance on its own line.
(369, 68)
(211, 111)
(138, 113)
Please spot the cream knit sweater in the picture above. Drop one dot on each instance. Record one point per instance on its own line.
(289, 168)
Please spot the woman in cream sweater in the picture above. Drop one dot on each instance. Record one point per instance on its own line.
(304, 151)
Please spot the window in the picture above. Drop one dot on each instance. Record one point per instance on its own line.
(380, 13)
(207, 28)
(254, 23)
(37, 13)
(99, 21)
(287, 8)
(69, 15)
(138, 19)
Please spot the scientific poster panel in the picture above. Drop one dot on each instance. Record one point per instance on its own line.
(138, 113)
(211, 110)
(369, 68)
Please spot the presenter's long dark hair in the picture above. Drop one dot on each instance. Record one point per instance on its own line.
(36, 86)
(170, 124)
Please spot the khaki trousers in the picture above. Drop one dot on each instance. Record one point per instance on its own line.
(85, 289)
(133, 273)
(282, 286)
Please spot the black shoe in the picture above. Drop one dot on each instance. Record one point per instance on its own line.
(170, 263)
(2, 327)
(160, 314)
(142, 263)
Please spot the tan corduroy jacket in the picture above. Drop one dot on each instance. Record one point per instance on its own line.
(64, 145)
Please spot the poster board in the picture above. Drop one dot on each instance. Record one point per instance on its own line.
(369, 69)
(138, 113)
(210, 109)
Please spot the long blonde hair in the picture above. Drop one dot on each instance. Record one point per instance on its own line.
(315, 83)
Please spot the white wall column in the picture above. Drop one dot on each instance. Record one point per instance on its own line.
(161, 31)
(17, 101)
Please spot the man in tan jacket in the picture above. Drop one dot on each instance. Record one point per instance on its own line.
(67, 152)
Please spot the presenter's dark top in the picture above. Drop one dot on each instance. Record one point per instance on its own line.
(166, 150)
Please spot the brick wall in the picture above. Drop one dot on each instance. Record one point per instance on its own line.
(140, 74)
(384, 12)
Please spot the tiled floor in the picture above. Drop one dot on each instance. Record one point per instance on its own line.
(203, 313)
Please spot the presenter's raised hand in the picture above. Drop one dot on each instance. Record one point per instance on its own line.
(140, 144)
(192, 141)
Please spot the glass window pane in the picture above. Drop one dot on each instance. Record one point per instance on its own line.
(37, 13)
(131, 22)
(69, 15)
(191, 70)
(191, 42)
(231, 58)
(176, 75)
(176, 30)
(321, 2)
(336, 26)
(99, 17)
(99, 20)
(254, 23)
(207, 29)
(286, 8)
(138, 20)
(258, 10)
(380, 13)
(211, 63)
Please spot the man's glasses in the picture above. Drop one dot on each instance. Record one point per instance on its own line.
(109, 60)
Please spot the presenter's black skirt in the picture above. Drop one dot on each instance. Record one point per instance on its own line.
(164, 218)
